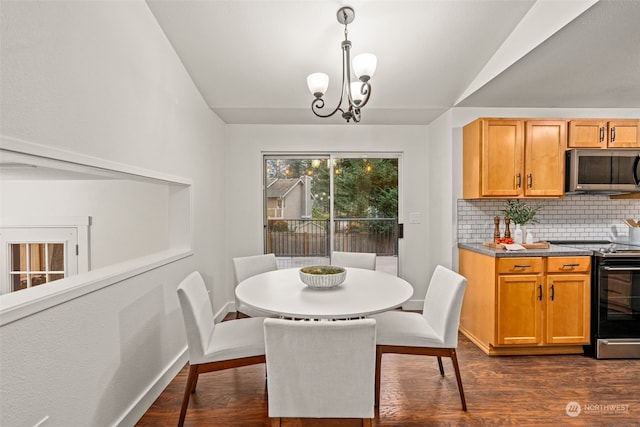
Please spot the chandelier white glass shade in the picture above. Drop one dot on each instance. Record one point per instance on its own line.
(318, 84)
(357, 93)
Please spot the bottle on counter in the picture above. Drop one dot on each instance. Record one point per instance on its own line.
(529, 238)
(517, 234)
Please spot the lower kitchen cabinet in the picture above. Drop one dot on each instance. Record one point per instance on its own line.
(526, 305)
(518, 310)
(568, 297)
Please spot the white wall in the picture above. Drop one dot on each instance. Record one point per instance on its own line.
(244, 145)
(442, 169)
(87, 362)
(100, 79)
(134, 211)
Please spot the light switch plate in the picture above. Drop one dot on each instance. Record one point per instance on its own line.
(415, 217)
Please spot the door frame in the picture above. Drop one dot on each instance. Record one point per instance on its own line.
(79, 224)
(331, 156)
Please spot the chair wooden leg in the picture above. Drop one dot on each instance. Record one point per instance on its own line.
(195, 383)
(409, 350)
(440, 366)
(454, 360)
(276, 422)
(377, 376)
(190, 387)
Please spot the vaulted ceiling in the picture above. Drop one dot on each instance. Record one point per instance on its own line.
(250, 59)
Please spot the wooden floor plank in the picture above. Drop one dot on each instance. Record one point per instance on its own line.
(500, 391)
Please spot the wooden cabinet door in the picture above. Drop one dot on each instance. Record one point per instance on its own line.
(594, 133)
(502, 157)
(567, 309)
(624, 134)
(545, 142)
(587, 134)
(519, 309)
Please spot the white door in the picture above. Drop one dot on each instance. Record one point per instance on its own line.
(33, 256)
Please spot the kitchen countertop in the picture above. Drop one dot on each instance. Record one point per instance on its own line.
(553, 250)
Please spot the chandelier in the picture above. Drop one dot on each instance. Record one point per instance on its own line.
(357, 93)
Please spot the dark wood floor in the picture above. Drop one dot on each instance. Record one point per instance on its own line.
(500, 391)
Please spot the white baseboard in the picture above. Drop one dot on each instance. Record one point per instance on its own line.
(141, 405)
(226, 309)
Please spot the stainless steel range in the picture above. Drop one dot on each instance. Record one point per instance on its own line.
(615, 299)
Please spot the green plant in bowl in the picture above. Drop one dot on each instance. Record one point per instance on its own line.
(322, 269)
(322, 276)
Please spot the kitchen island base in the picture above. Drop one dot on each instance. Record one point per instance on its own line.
(526, 305)
(490, 350)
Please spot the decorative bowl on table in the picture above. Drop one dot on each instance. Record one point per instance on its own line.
(322, 276)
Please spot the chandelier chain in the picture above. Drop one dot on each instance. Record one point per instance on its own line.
(346, 31)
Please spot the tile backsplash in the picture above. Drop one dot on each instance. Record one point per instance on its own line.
(576, 217)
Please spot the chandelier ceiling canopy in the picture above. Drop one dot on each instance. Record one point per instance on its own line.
(357, 93)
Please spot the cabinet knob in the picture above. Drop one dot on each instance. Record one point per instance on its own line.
(519, 181)
(530, 180)
(613, 134)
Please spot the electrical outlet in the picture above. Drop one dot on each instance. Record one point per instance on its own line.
(415, 217)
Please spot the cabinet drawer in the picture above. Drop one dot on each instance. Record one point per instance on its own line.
(580, 264)
(523, 265)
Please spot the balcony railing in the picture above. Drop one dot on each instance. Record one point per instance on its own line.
(310, 237)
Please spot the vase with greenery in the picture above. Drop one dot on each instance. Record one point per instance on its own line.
(521, 214)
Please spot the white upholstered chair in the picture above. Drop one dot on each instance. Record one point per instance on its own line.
(213, 347)
(432, 333)
(320, 369)
(249, 266)
(354, 259)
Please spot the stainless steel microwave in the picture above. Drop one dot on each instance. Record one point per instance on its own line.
(598, 170)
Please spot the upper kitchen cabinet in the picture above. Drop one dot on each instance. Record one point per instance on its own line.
(513, 158)
(594, 133)
(492, 158)
(545, 143)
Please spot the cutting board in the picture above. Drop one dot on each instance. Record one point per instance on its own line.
(536, 245)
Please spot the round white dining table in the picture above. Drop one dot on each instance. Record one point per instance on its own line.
(363, 292)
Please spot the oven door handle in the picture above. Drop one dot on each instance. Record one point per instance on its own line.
(621, 268)
(619, 342)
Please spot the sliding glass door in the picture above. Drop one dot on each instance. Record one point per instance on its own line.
(318, 203)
